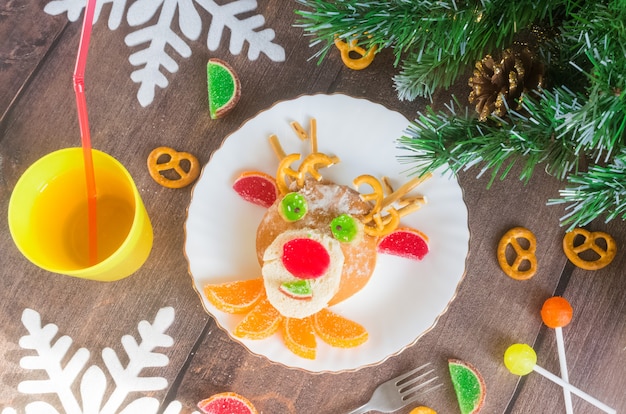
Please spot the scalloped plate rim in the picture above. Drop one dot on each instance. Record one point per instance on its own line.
(224, 321)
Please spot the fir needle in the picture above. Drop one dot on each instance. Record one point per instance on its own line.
(81, 104)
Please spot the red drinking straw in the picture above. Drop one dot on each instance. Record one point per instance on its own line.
(83, 121)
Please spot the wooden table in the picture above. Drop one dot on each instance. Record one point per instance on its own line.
(491, 311)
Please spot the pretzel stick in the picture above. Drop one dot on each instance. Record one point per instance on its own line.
(405, 201)
(387, 187)
(276, 147)
(404, 189)
(383, 225)
(411, 207)
(313, 132)
(300, 132)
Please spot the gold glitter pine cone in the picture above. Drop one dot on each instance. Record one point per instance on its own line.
(498, 85)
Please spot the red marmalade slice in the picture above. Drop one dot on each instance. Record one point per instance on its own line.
(405, 242)
(257, 188)
(227, 403)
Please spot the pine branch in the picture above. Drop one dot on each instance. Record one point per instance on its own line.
(421, 76)
(387, 23)
(436, 41)
(459, 141)
(580, 113)
(599, 192)
(597, 37)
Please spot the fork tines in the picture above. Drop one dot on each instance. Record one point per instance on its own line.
(410, 385)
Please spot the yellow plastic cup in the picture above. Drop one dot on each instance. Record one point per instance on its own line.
(48, 217)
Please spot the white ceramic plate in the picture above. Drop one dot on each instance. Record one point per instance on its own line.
(403, 299)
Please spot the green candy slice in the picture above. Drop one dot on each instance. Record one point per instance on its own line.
(300, 289)
(224, 88)
(468, 386)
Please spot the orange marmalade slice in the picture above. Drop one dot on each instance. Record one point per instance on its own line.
(338, 331)
(299, 336)
(235, 297)
(261, 322)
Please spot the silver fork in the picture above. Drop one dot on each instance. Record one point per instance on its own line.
(400, 391)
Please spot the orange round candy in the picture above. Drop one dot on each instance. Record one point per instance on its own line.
(556, 312)
(422, 410)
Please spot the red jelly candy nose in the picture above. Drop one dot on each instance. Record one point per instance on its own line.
(305, 258)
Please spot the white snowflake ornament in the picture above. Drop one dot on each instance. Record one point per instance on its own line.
(164, 33)
(50, 356)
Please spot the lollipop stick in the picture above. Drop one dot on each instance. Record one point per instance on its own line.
(560, 344)
(83, 121)
(574, 390)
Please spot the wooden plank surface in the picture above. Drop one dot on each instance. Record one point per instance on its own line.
(490, 311)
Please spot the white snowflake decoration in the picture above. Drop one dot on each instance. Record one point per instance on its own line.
(158, 36)
(50, 355)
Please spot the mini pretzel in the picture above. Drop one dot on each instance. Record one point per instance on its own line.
(573, 252)
(173, 163)
(522, 255)
(376, 224)
(383, 225)
(285, 173)
(366, 56)
(377, 196)
(309, 165)
(313, 162)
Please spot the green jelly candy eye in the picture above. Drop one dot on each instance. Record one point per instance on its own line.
(293, 206)
(344, 228)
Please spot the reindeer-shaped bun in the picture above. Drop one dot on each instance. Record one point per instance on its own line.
(317, 245)
(351, 260)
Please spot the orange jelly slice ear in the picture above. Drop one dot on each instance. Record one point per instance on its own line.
(299, 337)
(262, 322)
(338, 331)
(235, 297)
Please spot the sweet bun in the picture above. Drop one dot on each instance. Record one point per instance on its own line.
(325, 201)
(275, 274)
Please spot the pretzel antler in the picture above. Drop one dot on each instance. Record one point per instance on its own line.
(310, 165)
(377, 224)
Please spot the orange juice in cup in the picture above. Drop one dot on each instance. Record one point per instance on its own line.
(48, 217)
